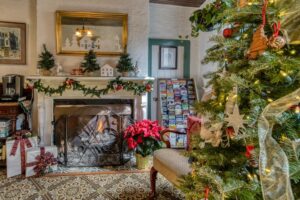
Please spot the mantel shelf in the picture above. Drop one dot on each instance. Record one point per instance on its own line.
(87, 78)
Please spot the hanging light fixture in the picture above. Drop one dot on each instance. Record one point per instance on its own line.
(81, 32)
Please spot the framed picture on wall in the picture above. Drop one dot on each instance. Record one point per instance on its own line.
(168, 57)
(12, 43)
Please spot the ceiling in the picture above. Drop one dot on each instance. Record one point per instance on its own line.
(189, 3)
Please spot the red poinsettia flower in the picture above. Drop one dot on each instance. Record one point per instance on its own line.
(141, 131)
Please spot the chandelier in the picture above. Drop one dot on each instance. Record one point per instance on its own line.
(81, 32)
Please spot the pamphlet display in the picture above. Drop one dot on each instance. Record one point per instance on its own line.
(177, 98)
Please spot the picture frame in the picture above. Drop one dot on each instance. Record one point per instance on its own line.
(168, 57)
(12, 43)
(79, 32)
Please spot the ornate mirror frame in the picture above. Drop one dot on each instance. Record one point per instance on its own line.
(105, 18)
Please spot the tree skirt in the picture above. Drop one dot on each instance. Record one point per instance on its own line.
(123, 186)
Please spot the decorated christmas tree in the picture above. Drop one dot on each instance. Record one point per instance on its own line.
(125, 63)
(90, 62)
(255, 68)
(46, 59)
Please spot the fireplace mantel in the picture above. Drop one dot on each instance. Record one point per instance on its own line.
(43, 109)
(87, 78)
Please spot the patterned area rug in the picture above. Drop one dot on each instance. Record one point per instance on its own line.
(117, 186)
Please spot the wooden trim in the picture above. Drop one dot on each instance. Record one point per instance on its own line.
(187, 3)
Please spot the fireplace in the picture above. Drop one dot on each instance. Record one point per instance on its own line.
(88, 132)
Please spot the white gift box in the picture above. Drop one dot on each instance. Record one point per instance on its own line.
(14, 162)
(31, 161)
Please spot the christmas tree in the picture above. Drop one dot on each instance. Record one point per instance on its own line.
(90, 62)
(46, 59)
(125, 63)
(255, 68)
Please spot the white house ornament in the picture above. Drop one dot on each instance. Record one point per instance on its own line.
(107, 70)
(235, 120)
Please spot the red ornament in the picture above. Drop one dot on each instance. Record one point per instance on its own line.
(249, 149)
(230, 132)
(206, 193)
(148, 87)
(69, 82)
(227, 32)
(119, 87)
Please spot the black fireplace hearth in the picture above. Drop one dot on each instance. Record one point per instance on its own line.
(89, 132)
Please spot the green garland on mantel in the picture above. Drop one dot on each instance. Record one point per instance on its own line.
(113, 85)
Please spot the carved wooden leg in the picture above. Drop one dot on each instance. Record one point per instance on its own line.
(153, 175)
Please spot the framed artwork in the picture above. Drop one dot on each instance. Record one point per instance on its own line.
(12, 43)
(79, 32)
(168, 57)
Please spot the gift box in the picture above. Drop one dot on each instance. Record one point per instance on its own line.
(15, 153)
(41, 160)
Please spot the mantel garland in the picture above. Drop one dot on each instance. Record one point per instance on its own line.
(113, 85)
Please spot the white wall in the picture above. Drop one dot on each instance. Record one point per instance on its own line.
(138, 28)
(21, 11)
(169, 22)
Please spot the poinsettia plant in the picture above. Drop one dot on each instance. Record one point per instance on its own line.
(144, 137)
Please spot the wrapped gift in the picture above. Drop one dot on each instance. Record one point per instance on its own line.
(41, 160)
(15, 153)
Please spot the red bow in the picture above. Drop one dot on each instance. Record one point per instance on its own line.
(43, 161)
(24, 141)
(249, 149)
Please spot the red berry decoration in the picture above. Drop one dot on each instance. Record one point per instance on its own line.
(119, 87)
(230, 132)
(148, 87)
(227, 32)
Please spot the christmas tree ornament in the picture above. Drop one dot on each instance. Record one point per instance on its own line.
(212, 134)
(227, 32)
(259, 41)
(231, 101)
(242, 3)
(276, 41)
(235, 120)
(259, 44)
(230, 132)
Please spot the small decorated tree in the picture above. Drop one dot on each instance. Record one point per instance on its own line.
(46, 59)
(125, 64)
(90, 62)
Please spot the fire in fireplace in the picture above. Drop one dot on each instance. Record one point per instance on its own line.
(89, 132)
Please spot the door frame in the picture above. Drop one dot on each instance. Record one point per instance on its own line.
(186, 44)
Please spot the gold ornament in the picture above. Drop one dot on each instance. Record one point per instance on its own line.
(242, 3)
(276, 42)
(259, 44)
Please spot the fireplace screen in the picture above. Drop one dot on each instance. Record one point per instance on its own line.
(91, 135)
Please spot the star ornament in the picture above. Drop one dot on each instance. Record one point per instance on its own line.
(235, 120)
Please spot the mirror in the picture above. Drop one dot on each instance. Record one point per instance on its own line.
(79, 32)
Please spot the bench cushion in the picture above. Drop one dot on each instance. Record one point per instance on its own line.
(171, 164)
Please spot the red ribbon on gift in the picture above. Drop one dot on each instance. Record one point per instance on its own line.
(24, 141)
(44, 160)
